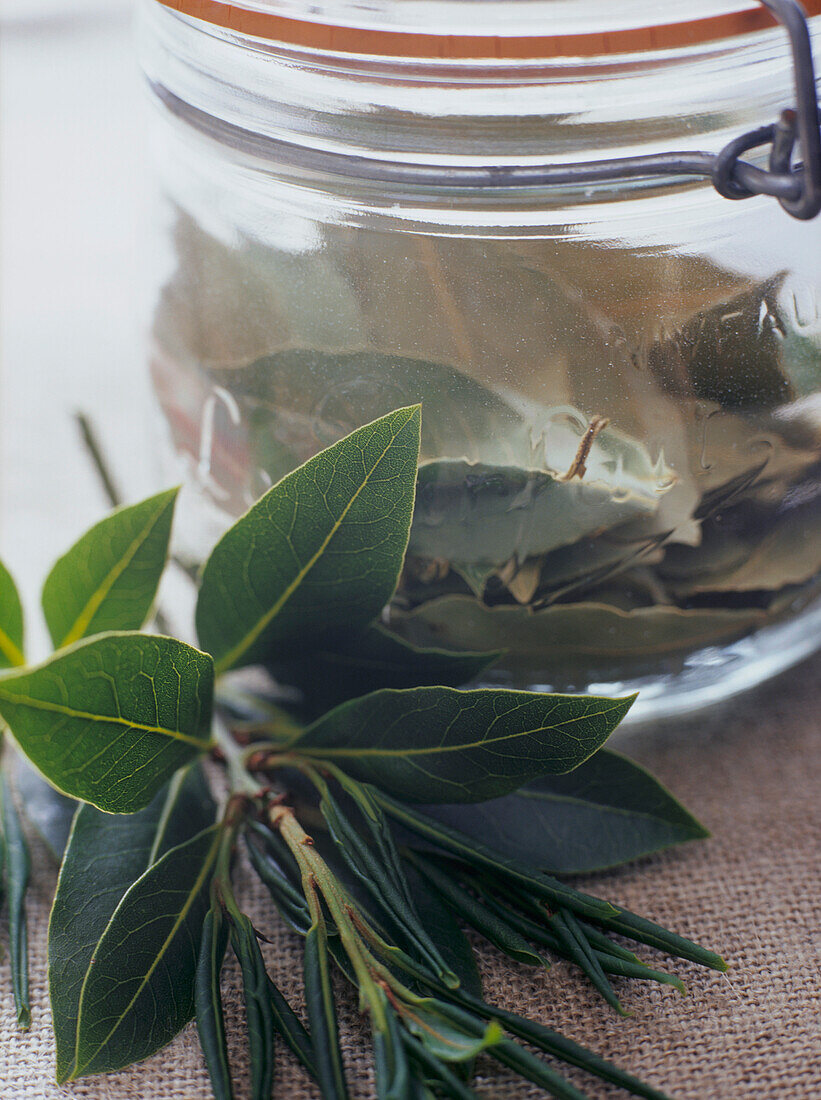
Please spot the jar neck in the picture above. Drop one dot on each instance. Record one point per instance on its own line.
(414, 123)
(485, 28)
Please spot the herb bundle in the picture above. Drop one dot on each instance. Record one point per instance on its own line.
(382, 807)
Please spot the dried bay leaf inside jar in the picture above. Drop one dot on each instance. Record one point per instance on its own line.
(620, 381)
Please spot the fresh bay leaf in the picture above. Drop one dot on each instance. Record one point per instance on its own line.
(11, 622)
(542, 646)
(346, 664)
(109, 720)
(146, 957)
(16, 873)
(109, 577)
(440, 744)
(49, 811)
(605, 812)
(106, 855)
(321, 549)
(468, 514)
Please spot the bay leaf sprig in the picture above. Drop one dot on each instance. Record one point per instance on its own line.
(381, 804)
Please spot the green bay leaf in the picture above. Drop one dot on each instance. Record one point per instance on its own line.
(322, 549)
(138, 991)
(607, 811)
(11, 622)
(440, 744)
(109, 577)
(50, 812)
(109, 720)
(106, 854)
(346, 664)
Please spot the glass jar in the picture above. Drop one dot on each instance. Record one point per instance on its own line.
(620, 382)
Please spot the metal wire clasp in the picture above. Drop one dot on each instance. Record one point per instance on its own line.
(797, 186)
(793, 175)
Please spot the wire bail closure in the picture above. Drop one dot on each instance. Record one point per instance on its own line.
(797, 187)
(796, 183)
(793, 174)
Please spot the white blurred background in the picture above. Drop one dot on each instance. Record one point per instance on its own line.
(30, 10)
(74, 210)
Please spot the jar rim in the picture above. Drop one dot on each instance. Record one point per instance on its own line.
(408, 131)
(344, 28)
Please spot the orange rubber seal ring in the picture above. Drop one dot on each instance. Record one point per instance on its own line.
(353, 40)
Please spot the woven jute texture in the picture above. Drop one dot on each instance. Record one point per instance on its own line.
(752, 773)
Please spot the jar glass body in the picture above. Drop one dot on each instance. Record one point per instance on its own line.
(621, 385)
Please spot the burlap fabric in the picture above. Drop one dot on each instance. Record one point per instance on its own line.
(752, 773)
